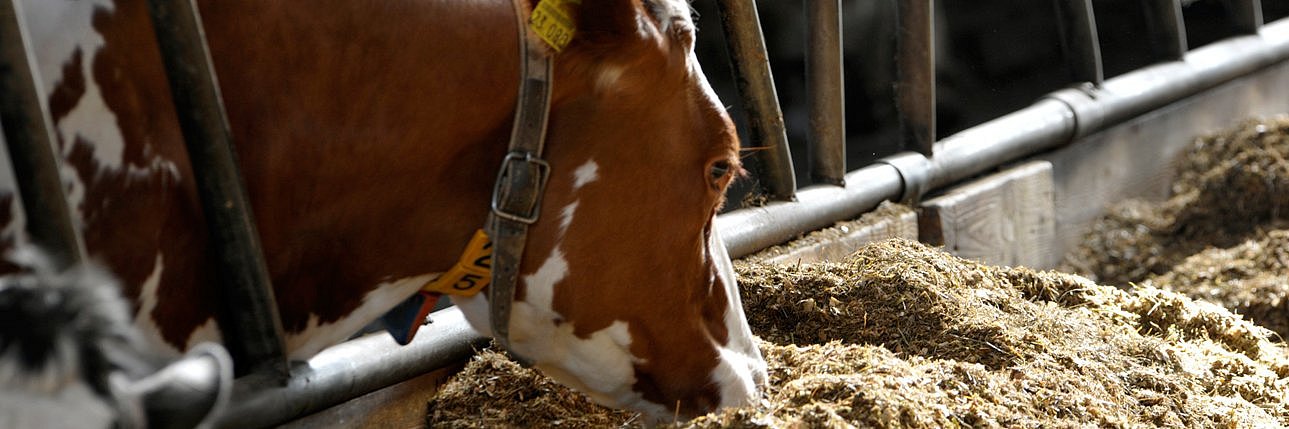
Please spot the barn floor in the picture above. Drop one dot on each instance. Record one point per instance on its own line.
(905, 335)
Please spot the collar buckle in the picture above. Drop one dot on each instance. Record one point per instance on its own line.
(516, 196)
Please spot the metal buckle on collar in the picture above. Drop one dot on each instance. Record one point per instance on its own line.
(517, 194)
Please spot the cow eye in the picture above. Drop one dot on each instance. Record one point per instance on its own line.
(719, 170)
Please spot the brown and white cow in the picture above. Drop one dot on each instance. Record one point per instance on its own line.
(369, 133)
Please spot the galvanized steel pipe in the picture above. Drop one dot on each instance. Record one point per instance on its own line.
(349, 370)
(752, 229)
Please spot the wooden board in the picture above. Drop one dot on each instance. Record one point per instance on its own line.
(1004, 219)
(836, 243)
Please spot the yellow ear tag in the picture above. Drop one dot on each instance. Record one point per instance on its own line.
(471, 274)
(552, 20)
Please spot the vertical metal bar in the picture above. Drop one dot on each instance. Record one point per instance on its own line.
(1246, 14)
(29, 138)
(1166, 29)
(250, 307)
(915, 74)
(827, 87)
(751, 67)
(1079, 40)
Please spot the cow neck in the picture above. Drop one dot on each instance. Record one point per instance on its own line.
(516, 197)
(491, 259)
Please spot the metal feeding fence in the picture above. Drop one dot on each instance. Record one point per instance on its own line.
(271, 393)
(1089, 105)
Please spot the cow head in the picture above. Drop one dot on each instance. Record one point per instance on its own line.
(626, 290)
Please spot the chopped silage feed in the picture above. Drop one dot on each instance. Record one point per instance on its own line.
(904, 335)
(1222, 237)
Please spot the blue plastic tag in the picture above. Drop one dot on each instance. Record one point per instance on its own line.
(406, 318)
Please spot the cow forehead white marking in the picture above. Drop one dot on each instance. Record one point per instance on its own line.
(317, 336)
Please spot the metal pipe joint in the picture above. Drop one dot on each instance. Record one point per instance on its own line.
(915, 174)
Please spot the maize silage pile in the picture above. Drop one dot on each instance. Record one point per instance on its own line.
(903, 335)
(1223, 236)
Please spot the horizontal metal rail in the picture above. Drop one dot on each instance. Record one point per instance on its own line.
(1052, 122)
(349, 370)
